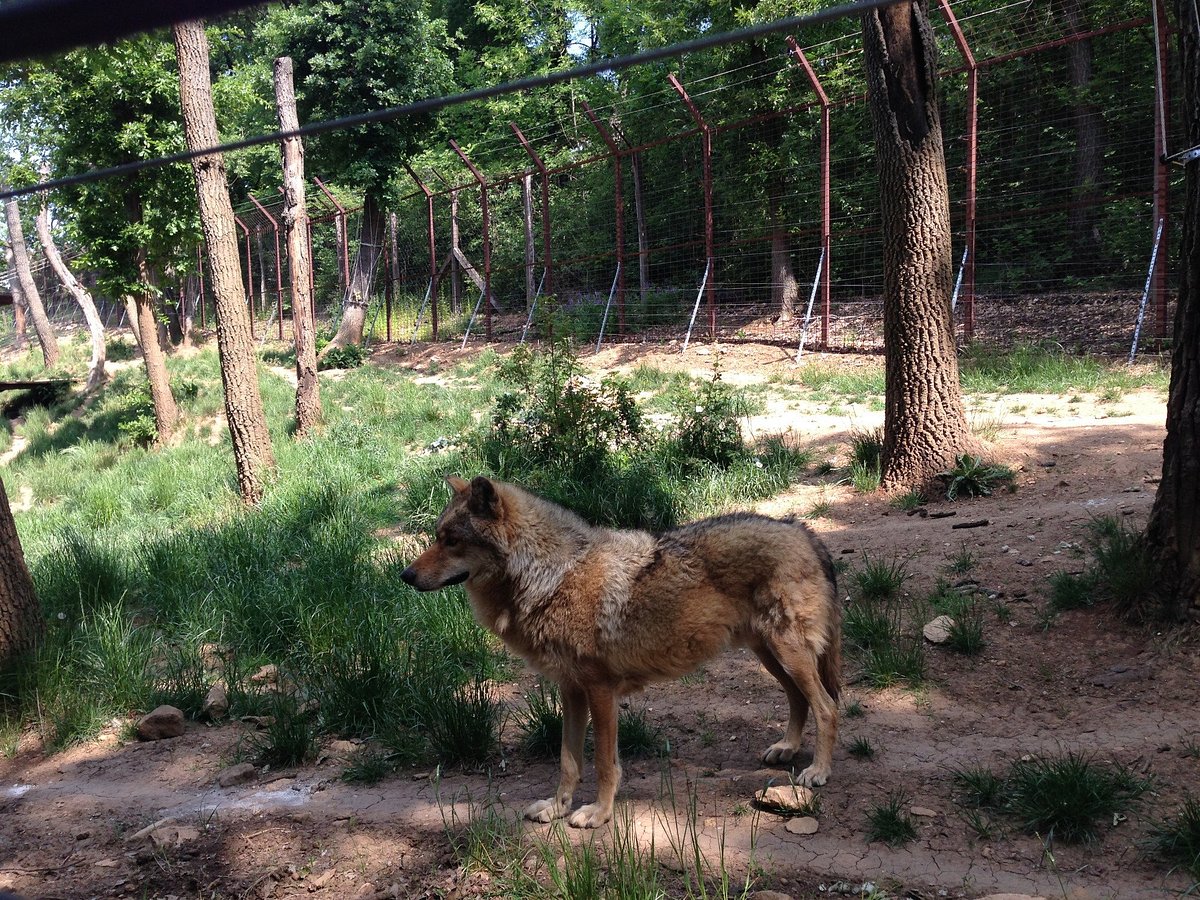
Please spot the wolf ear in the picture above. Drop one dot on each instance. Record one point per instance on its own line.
(484, 501)
(457, 484)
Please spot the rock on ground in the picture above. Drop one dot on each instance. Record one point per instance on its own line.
(163, 722)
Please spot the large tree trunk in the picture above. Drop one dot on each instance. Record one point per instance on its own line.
(295, 226)
(639, 212)
(358, 298)
(1082, 219)
(21, 341)
(21, 621)
(96, 374)
(166, 412)
(924, 423)
(1173, 534)
(33, 301)
(243, 402)
(784, 287)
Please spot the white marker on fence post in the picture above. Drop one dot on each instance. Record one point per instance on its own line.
(471, 321)
(604, 322)
(1137, 329)
(421, 311)
(532, 307)
(696, 308)
(962, 267)
(808, 313)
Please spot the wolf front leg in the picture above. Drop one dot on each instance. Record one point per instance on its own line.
(575, 719)
(602, 702)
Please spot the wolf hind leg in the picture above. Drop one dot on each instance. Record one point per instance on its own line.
(800, 661)
(785, 750)
(575, 720)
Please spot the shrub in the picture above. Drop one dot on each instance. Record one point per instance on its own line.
(349, 357)
(540, 723)
(1067, 796)
(972, 477)
(709, 427)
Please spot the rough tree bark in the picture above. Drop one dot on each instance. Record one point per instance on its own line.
(295, 226)
(1173, 533)
(166, 412)
(243, 402)
(21, 341)
(29, 291)
(96, 374)
(925, 426)
(784, 287)
(21, 621)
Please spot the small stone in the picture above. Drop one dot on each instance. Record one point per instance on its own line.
(784, 798)
(342, 749)
(105, 864)
(924, 811)
(769, 895)
(802, 825)
(239, 774)
(216, 702)
(163, 722)
(173, 835)
(366, 889)
(82, 835)
(319, 881)
(268, 673)
(938, 631)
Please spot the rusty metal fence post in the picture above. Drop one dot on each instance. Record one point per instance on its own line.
(547, 259)
(278, 268)
(487, 238)
(619, 202)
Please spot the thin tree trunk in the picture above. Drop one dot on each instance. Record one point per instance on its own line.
(243, 402)
(166, 412)
(21, 622)
(21, 341)
(33, 301)
(639, 211)
(1082, 230)
(455, 270)
(131, 317)
(530, 253)
(1173, 533)
(925, 426)
(96, 374)
(295, 226)
(358, 298)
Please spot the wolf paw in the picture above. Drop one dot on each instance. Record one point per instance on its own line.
(545, 811)
(780, 752)
(591, 815)
(813, 777)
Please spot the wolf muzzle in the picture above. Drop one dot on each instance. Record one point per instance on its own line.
(410, 577)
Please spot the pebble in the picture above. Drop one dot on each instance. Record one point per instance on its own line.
(802, 825)
(938, 631)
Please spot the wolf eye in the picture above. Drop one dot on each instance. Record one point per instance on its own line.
(449, 540)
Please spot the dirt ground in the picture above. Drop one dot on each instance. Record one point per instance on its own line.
(1087, 682)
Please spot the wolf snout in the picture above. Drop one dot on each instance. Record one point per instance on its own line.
(409, 577)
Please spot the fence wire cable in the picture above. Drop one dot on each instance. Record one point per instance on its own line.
(433, 104)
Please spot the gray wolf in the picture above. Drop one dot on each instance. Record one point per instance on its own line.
(603, 612)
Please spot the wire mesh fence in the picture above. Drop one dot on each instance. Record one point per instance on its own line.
(736, 194)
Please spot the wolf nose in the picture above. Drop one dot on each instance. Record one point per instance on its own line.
(408, 576)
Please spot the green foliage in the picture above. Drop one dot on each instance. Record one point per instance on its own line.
(879, 578)
(289, 737)
(1070, 591)
(861, 748)
(709, 427)
(979, 787)
(902, 659)
(1067, 796)
(637, 737)
(1177, 839)
(368, 767)
(888, 822)
(540, 723)
(972, 477)
(1122, 568)
(350, 356)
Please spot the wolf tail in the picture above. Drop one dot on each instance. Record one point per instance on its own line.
(830, 663)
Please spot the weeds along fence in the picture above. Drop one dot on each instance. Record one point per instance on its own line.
(735, 191)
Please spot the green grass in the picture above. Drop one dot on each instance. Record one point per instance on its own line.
(1046, 369)
(1177, 839)
(861, 748)
(899, 661)
(970, 476)
(1070, 795)
(540, 723)
(639, 738)
(1070, 591)
(978, 787)
(889, 823)
(880, 578)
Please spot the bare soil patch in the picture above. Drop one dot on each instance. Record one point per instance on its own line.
(1087, 682)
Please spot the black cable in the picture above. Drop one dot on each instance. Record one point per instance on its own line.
(435, 103)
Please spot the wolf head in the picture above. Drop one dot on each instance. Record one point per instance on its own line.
(465, 537)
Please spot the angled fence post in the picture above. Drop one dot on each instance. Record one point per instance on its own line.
(706, 152)
(278, 268)
(431, 291)
(487, 239)
(619, 201)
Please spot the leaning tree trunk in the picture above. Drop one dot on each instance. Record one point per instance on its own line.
(784, 287)
(33, 302)
(243, 402)
(358, 297)
(295, 226)
(924, 423)
(21, 341)
(166, 412)
(21, 621)
(96, 374)
(1173, 533)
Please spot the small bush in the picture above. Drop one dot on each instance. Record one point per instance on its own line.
(709, 422)
(1121, 564)
(900, 660)
(461, 724)
(349, 357)
(1067, 796)
(290, 736)
(866, 447)
(637, 737)
(979, 787)
(868, 625)
(369, 767)
(961, 562)
(972, 477)
(909, 501)
(881, 579)
(1068, 591)
(540, 723)
(1177, 840)
(890, 823)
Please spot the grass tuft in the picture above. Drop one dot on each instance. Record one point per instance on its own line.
(979, 787)
(1177, 840)
(889, 822)
(861, 748)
